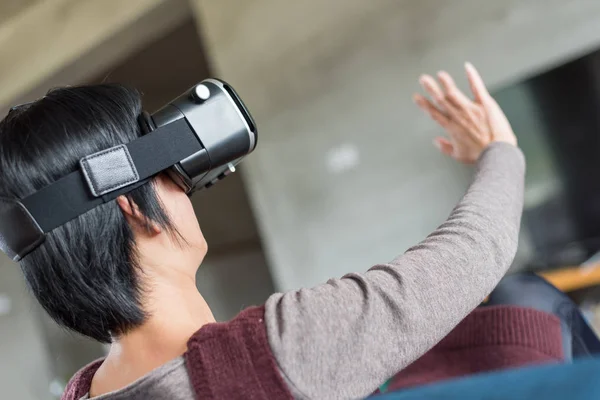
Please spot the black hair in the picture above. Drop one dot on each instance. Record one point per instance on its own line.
(85, 274)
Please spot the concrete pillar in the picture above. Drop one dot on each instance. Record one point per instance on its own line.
(25, 365)
(345, 174)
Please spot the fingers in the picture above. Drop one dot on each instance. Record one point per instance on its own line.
(452, 102)
(432, 110)
(453, 93)
(458, 106)
(432, 88)
(455, 107)
(444, 145)
(478, 88)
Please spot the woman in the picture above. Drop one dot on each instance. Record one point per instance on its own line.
(124, 273)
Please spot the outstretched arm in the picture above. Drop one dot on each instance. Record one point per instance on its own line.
(344, 338)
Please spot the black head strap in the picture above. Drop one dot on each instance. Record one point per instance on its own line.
(146, 123)
(23, 223)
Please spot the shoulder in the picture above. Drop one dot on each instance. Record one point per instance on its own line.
(250, 319)
(224, 358)
(80, 383)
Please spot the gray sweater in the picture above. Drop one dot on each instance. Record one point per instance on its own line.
(343, 339)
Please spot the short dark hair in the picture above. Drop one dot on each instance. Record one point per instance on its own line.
(85, 273)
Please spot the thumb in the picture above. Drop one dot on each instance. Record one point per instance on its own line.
(444, 145)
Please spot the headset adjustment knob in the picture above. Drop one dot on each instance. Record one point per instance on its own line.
(201, 93)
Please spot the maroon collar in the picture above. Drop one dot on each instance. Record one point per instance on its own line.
(224, 360)
(80, 384)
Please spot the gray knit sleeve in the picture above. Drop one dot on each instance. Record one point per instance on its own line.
(343, 339)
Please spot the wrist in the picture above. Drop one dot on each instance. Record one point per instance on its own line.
(498, 146)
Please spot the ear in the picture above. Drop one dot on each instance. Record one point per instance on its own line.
(135, 217)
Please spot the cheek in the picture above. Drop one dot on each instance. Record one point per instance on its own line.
(187, 222)
(181, 211)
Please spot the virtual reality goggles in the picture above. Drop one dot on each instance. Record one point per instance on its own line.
(198, 139)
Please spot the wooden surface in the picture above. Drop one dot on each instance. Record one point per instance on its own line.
(574, 278)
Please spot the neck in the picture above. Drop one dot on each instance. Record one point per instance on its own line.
(176, 310)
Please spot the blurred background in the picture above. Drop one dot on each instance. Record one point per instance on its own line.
(345, 175)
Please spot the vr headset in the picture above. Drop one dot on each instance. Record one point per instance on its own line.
(198, 139)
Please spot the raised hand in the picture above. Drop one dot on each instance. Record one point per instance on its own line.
(472, 124)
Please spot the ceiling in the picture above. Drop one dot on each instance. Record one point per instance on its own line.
(10, 8)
